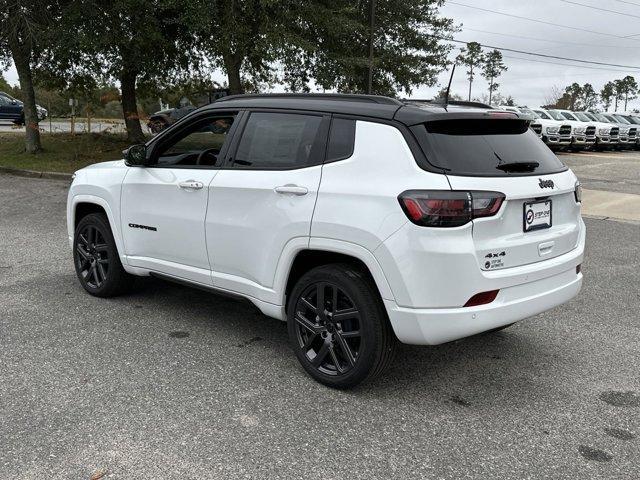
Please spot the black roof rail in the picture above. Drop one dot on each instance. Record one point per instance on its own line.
(345, 97)
(438, 102)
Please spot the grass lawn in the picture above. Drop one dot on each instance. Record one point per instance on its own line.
(62, 152)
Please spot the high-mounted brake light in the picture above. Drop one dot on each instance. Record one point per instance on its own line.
(442, 208)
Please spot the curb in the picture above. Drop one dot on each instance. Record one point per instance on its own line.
(34, 174)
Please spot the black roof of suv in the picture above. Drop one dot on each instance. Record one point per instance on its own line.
(408, 112)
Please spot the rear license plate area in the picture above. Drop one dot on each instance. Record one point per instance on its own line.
(537, 215)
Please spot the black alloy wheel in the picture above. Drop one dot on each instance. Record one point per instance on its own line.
(338, 326)
(328, 328)
(96, 258)
(92, 259)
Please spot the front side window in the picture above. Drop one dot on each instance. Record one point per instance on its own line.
(279, 141)
(199, 145)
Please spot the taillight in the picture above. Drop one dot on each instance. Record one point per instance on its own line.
(578, 192)
(482, 298)
(442, 208)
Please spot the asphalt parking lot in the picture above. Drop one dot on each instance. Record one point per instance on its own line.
(171, 382)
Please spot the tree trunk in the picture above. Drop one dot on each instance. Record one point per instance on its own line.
(470, 81)
(21, 59)
(233, 64)
(616, 104)
(130, 107)
(626, 100)
(490, 91)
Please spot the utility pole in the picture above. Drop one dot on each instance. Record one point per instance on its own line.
(372, 24)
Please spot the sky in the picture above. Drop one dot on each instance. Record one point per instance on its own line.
(580, 32)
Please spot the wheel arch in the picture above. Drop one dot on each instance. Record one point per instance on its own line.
(82, 205)
(82, 209)
(326, 251)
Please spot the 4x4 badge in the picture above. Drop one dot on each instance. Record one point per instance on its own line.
(547, 183)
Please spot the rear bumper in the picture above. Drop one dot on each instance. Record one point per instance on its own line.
(436, 326)
(524, 291)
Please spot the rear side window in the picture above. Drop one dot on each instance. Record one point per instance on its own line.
(342, 139)
(279, 141)
(483, 147)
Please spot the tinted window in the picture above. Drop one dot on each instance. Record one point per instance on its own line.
(199, 144)
(279, 140)
(481, 147)
(341, 139)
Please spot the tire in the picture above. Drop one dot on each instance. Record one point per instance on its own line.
(344, 346)
(96, 258)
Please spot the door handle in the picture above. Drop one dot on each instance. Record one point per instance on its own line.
(291, 189)
(191, 185)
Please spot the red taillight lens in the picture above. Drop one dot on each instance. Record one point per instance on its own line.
(486, 204)
(441, 208)
(482, 298)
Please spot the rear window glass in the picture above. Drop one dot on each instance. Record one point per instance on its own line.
(341, 139)
(482, 147)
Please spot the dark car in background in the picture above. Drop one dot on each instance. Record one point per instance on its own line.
(160, 120)
(11, 110)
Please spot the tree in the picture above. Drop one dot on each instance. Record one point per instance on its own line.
(628, 89)
(473, 58)
(332, 38)
(573, 94)
(25, 28)
(242, 37)
(589, 97)
(607, 93)
(128, 41)
(492, 68)
(4, 85)
(498, 99)
(618, 88)
(442, 93)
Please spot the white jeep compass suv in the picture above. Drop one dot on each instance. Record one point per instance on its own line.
(358, 220)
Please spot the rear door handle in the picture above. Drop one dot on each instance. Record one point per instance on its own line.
(292, 190)
(191, 185)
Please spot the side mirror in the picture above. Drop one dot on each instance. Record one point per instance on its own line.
(136, 155)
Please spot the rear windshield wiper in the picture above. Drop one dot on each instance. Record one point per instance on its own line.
(518, 166)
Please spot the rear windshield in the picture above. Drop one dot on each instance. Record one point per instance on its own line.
(483, 147)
